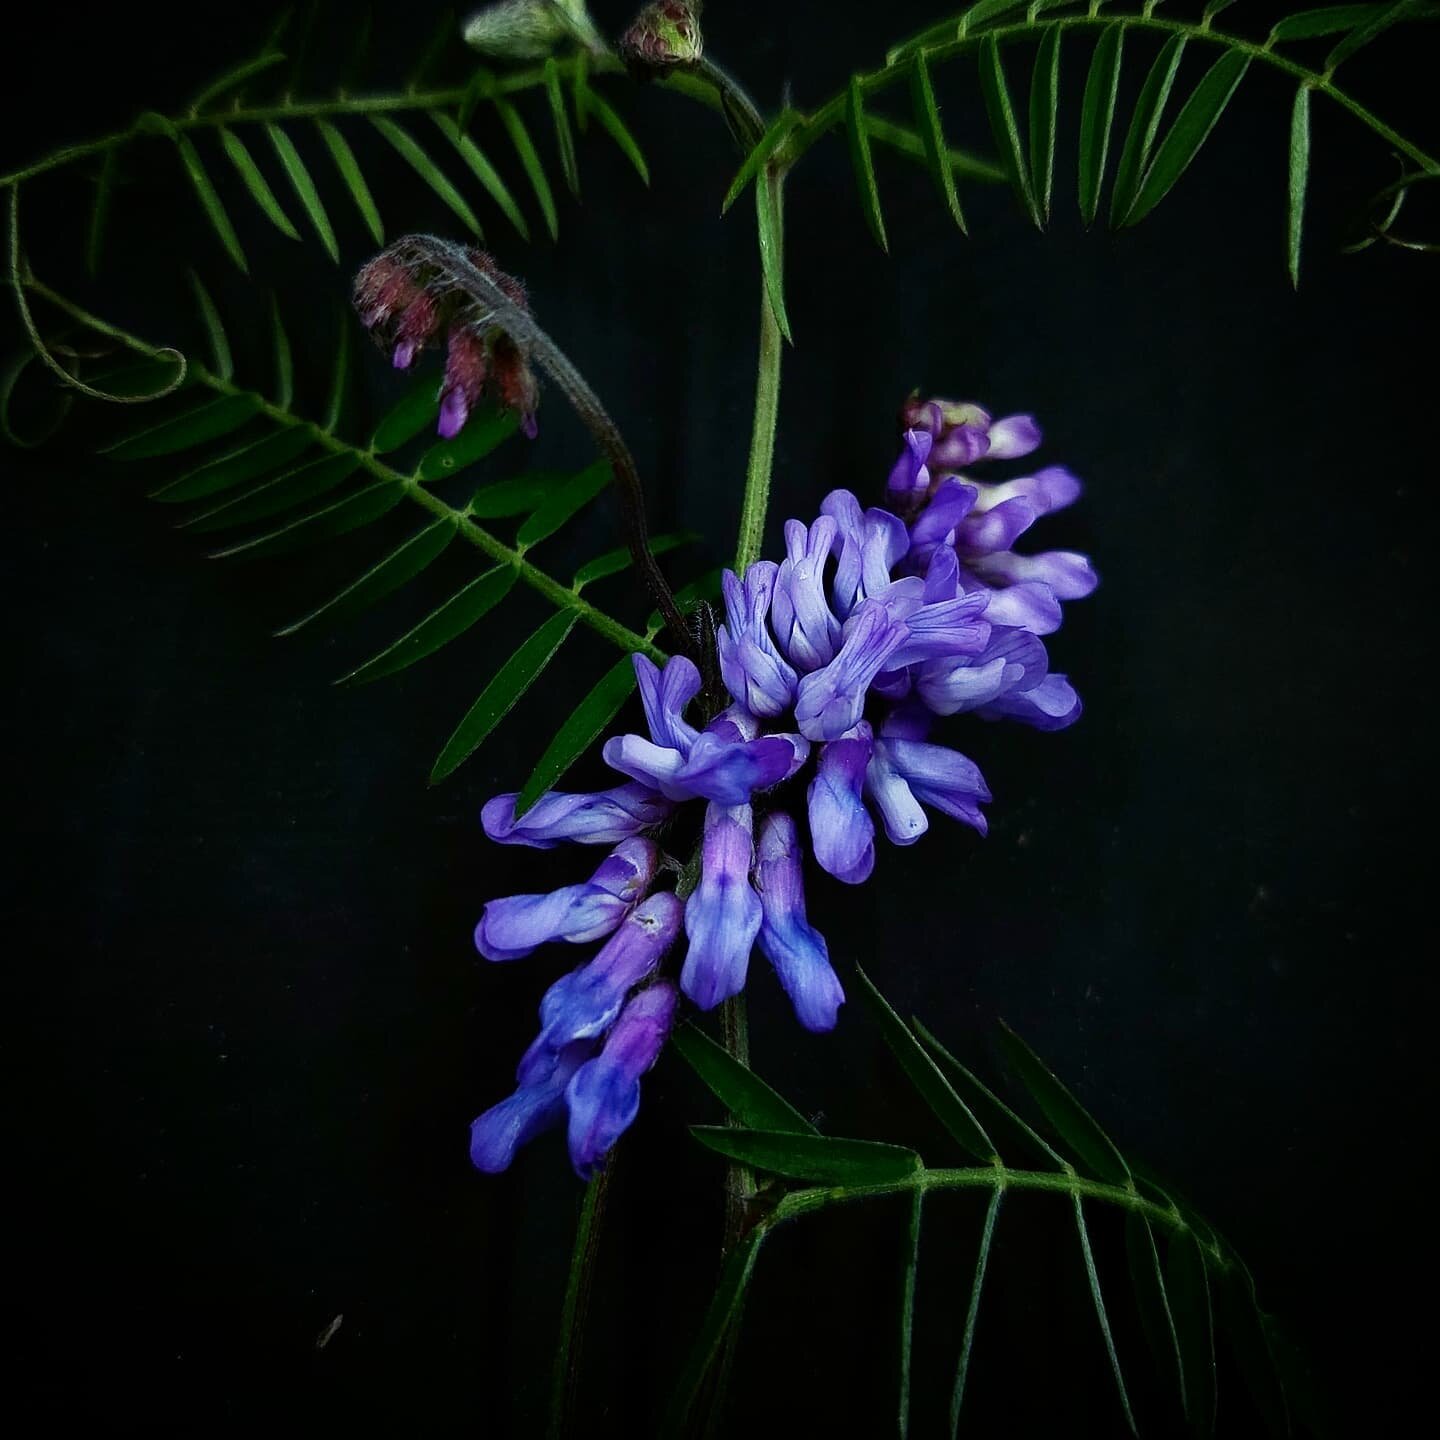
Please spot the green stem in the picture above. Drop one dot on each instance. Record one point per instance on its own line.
(563, 597)
(565, 1381)
(832, 113)
(756, 501)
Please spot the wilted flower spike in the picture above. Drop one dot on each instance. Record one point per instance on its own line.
(604, 1093)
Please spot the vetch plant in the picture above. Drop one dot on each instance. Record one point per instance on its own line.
(796, 705)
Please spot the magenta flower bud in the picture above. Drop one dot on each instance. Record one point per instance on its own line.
(604, 1093)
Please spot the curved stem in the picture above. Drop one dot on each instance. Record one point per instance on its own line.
(565, 1380)
(563, 597)
(456, 271)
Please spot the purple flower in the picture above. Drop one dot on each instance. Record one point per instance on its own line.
(841, 830)
(599, 819)
(871, 545)
(791, 944)
(511, 928)
(910, 477)
(583, 1004)
(831, 701)
(753, 669)
(805, 627)
(1050, 705)
(726, 763)
(604, 1093)
(905, 774)
(722, 915)
(1014, 660)
(530, 1111)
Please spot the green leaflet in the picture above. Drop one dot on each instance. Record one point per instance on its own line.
(401, 565)
(1212, 9)
(563, 503)
(518, 496)
(284, 361)
(482, 170)
(560, 117)
(209, 199)
(337, 518)
(1327, 20)
(224, 362)
(770, 222)
(1245, 1334)
(1298, 175)
(410, 149)
(1017, 1137)
(581, 729)
(207, 421)
(1189, 1291)
(304, 187)
(1092, 1276)
(1072, 1122)
(530, 161)
(1044, 115)
(863, 162)
(455, 616)
(351, 174)
(738, 1088)
(618, 131)
(1362, 35)
(612, 562)
(482, 434)
(1152, 1299)
(932, 136)
(722, 1314)
(820, 1159)
(1144, 124)
(258, 457)
(480, 86)
(939, 1095)
(1097, 115)
(985, 11)
(972, 1311)
(1002, 122)
(278, 494)
(234, 78)
(1192, 127)
(764, 148)
(416, 409)
(256, 183)
(340, 379)
(515, 677)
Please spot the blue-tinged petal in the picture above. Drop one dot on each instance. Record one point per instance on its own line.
(1013, 436)
(792, 945)
(601, 818)
(841, 830)
(1069, 574)
(664, 695)
(1046, 490)
(1050, 705)
(722, 915)
(909, 478)
(1028, 605)
(604, 1094)
(806, 631)
(502, 1129)
(831, 701)
(1013, 659)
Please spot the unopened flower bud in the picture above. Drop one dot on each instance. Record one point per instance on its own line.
(529, 29)
(663, 36)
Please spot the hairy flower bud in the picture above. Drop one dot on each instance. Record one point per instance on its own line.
(663, 36)
(529, 29)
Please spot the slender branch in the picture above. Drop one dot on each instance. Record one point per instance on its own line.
(563, 597)
(832, 113)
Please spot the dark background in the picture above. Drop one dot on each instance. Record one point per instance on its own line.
(247, 1026)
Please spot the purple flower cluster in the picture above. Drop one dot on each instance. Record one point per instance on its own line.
(877, 622)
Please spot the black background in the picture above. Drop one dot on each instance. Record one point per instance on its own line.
(247, 1025)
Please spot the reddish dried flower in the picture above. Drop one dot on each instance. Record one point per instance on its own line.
(418, 326)
(465, 371)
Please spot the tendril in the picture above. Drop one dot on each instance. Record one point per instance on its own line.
(1397, 192)
(19, 278)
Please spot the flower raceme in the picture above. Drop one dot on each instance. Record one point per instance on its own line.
(838, 660)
